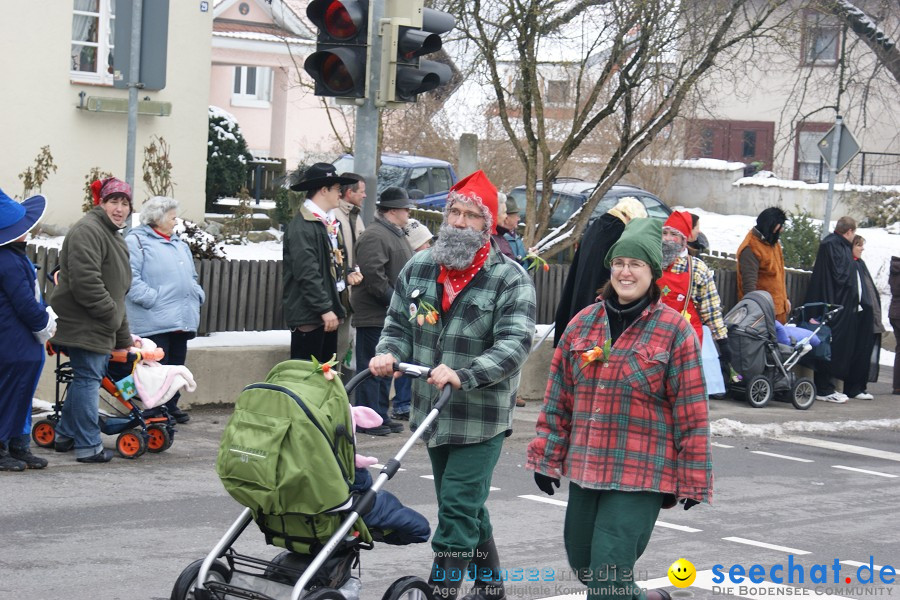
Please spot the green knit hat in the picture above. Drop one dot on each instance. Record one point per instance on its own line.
(642, 239)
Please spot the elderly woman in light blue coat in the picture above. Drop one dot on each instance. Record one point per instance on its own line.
(164, 301)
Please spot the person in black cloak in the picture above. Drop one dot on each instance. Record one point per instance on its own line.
(588, 273)
(868, 347)
(834, 280)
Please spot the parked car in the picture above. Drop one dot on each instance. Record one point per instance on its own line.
(426, 179)
(570, 193)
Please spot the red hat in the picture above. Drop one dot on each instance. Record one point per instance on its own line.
(681, 221)
(477, 188)
(103, 189)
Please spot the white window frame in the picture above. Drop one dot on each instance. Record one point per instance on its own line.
(816, 27)
(262, 97)
(104, 44)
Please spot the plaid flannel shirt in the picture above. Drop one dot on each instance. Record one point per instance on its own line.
(706, 296)
(635, 422)
(485, 337)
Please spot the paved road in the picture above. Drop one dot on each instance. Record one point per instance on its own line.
(127, 529)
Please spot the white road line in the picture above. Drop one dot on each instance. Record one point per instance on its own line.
(718, 445)
(879, 473)
(431, 477)
(545, 500)
(563, 503)
(853, 563)
(704, 582)
(740, 540)
(850, 448)
(772, 454)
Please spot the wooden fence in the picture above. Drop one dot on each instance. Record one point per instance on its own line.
(245, 295)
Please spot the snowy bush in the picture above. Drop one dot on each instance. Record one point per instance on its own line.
(800, 240)
(226, 156)
(202, 244)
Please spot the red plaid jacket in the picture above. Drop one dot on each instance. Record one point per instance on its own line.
(636, 420)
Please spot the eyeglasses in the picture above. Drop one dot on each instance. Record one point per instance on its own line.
(469, 216)
(633, 265)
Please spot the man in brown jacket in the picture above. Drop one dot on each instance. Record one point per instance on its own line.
(761, 262)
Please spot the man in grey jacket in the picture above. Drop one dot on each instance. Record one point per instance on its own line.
(381, 252)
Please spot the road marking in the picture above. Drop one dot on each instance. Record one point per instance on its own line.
(704, 581)
(806, 460)
(490, 489)
(740, 540)
(879, 473)
(872, 452)
(563, 503)
(853, 563)
(718, 445)
(545, 500)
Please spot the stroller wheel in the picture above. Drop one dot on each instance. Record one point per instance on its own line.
(131, 444)
(184, 585)
(408, 588)
(44, 433)
(324, 593)
(158, 438)
(759, 391)
(803, 393)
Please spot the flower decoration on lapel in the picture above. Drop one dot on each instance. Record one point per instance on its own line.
(423, 313)
(536, 261)
(326, 368)
(597, 353)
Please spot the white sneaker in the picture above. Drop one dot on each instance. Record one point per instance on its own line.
(841, 395)
(833, 397)
(864, 396)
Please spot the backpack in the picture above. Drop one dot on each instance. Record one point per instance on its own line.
(287, 454)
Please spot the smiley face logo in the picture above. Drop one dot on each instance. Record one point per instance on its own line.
(682, 573)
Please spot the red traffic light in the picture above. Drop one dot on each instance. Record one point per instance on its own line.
(339, 20)
(338, 71)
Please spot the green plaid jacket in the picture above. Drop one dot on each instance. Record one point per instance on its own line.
(485, 337)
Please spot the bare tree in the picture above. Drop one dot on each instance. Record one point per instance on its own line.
(630, 64)
(866, 27)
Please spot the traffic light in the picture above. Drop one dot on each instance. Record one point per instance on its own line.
(338, 66)
(411, 32)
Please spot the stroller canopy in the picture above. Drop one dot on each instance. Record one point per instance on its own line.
(753, 315)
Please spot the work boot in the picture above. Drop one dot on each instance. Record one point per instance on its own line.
(488, 580)
(19, 450)
(7, 462)
(447, 574)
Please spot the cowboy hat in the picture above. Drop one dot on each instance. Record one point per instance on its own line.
(320, 175)
(18, 219)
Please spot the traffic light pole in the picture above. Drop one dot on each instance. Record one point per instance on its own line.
(365, 147)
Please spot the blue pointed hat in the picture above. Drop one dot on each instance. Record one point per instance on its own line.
(17, 219)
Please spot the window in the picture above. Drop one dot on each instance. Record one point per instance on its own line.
(557, 92)
(93, 35)
(809, 164)
(440, 178)
(252, 87)
(418, 180)
(748, 148)
(820, 39)
(706, 142)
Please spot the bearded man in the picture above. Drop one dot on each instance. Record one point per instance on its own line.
(761, 262)
(687, 283)
(478, 335)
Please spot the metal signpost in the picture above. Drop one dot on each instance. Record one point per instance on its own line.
(837, 148)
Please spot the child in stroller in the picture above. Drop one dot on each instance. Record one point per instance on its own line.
(127, 417)
(763, 365)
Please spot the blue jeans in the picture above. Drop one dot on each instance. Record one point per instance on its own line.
(402, 395)
(80, 417)
(374, 391)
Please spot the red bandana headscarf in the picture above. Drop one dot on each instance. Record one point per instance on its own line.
(455, 281)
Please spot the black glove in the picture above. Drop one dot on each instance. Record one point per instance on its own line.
(545, 483)
(688, 503)
(724, 351)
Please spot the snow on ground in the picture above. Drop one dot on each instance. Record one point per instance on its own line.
(731, 428)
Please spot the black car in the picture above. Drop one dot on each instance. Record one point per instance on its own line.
(569, 194)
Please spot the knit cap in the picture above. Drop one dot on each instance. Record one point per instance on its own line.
(417, 234)
(641, 239)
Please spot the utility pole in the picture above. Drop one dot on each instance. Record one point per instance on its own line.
(134, 78)
(365, 144)
(832, 174)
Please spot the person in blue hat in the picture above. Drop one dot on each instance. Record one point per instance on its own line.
(25, 324)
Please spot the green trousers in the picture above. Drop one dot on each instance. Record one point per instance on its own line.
(462, 480)
(606, 531)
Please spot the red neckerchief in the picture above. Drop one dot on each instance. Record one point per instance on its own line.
(454, 281)
(168, 237)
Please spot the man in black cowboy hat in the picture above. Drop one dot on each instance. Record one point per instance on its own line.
(381, 252)
(315, 266)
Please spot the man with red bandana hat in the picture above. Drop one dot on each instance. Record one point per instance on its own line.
(463, 306)
(687, 283)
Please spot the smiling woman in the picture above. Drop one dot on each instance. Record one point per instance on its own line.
(630, 364)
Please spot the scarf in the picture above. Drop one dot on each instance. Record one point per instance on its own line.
(454, 281)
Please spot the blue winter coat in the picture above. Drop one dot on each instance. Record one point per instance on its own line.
(21, 355)
(164, 294)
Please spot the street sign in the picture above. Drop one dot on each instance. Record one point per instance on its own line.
(846, 151)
